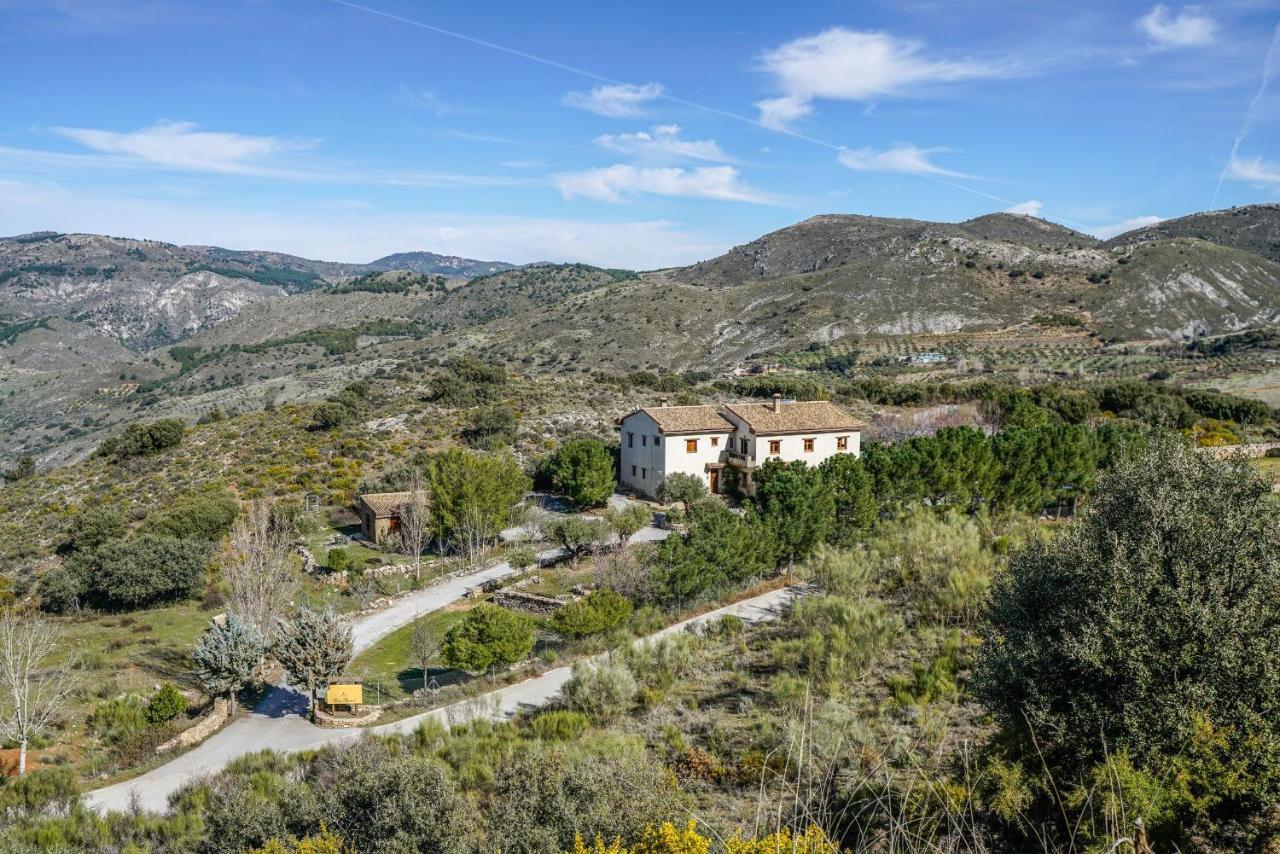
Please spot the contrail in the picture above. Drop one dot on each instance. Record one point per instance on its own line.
(1269, 64)
(600, 78)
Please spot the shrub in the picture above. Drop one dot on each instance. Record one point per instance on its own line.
(148, 570)
(491, 427)
(1161, 605)
(598, 611)
(577, 534)
(95, 526)
(329, 415)
(166, 704)
(559, 725)
(144, 438)
(489, 637)
(205, 516)
(601, 690)
(338, 560)
(61, 592)
(117, 719)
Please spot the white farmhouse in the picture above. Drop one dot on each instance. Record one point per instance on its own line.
(662, 440)
(704, 440)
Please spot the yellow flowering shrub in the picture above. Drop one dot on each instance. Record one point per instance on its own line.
(668, 839)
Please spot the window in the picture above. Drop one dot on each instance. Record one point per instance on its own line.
(631, 439)
(842, 443)
(715, 441)
(808, 445)
(743, 441)
(644, 441)
(775, 446)
(633, 471)
(657, 440)
(644, 474)
(691, 446)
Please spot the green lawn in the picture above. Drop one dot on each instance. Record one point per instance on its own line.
(387, 666)
(1271, 466)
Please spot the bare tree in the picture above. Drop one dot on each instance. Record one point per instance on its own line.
(261, 583)
(415, 524)
(425, 642)
(32, 697)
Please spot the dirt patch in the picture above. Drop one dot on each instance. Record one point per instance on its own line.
(9, 762)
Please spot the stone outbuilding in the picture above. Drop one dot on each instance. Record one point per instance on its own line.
(380, 514)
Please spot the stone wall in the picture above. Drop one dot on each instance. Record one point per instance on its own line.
(367, 715)
(521, 601)
(201, 729)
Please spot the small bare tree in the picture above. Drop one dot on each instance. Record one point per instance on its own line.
(415, 524)
(425, 642)
(261, 583)
(33, 697)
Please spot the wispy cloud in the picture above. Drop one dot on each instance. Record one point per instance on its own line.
(616, 100)
(903, 157)
(180, 145)
(851, 65)
(616, 183)
(1031, 207)
(663, 142)
(1254, 170)
(1190, 26)
(1105, 232)
(1270, 66)
(424, 99)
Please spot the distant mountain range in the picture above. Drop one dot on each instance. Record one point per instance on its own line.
(88, 323)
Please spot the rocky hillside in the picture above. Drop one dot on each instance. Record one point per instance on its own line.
(1253, 228)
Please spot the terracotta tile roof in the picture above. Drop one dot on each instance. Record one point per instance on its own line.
(817, 416)
(688, 419)
(386, 504)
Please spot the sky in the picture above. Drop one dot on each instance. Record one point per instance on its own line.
(632, 135)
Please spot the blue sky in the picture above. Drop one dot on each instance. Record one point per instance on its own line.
(635, 135)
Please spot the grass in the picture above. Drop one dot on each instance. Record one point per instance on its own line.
(1270, 466)
(387, 667)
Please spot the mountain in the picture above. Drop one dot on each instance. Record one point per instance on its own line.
(431, 263)
(143, 292)
(1252, 228)
(98, 331)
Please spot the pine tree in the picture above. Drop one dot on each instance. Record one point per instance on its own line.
(227, 655)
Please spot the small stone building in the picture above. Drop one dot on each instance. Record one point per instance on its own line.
(380, 514)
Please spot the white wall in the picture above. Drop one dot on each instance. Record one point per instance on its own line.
(792, 447)
(669, 455)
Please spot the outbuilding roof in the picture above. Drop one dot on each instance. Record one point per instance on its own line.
(805, 416)
(687, 419)
(384, 504)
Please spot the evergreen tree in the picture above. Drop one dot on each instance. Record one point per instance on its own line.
(584, 471)
(313, 646)
(227, 656)
(488, 638)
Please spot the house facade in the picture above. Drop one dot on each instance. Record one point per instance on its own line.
(706, 440)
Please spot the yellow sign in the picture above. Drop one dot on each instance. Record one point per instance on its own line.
(344, 695)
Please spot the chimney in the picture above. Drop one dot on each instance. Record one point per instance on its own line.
(777, 402)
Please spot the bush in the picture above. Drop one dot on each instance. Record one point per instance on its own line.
(577, 534)
(598, 611)
(61, 592)
(205, 516)
(488, 638)
(147, 570)
(338, 560)
(601, 690)
(143, 439)
(491, 427)
(118, 719)
(166, 704)
(95, 526)
(330, 415)
(1159, 607)
(559, 725)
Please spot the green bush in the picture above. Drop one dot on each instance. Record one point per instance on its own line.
(598, 611)
(202, 516)
(559, 725)
(337, 560)
(488, 638)
(118, 719)
(601, 690)
(584, 471)
(143, 439)
(166, 704)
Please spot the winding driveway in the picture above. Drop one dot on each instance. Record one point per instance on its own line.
(279, 721)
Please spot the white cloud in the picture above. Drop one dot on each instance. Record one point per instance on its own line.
(1105, 232)
(179, 145)
(349, 233)
(620, 100)
(902, 157)
(663, 142)
(1254, 170)
(1031, 207)
(614, 183)
(851, 65)
(1189, 27)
